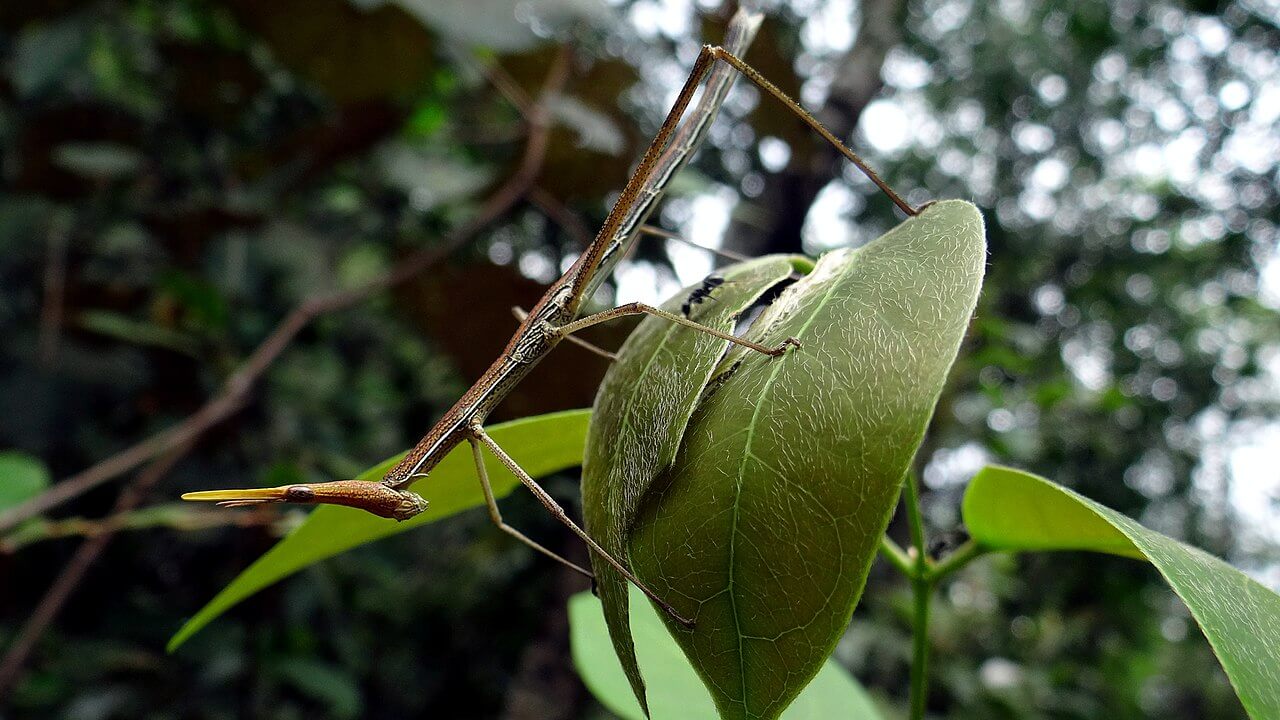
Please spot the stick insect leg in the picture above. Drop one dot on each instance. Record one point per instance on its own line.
(641, 308)
(667, 234)
(478, 434)
(763, 83)
(520, 314)
(656, 231)
(496, 515)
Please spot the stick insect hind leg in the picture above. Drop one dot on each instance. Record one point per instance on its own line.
(477, 437)
(496, 515)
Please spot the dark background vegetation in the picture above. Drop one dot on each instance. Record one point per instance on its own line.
(177, 176)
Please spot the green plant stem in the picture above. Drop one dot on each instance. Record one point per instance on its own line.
(962, 556)
(924, 575)
(896, 556)
(921, 589)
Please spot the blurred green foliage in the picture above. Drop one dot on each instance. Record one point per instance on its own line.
(178, 175)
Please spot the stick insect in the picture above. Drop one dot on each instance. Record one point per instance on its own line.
(556, 317)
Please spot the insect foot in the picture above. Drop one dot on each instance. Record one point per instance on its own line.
(782, 347)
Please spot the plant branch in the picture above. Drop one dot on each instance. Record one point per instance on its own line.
(962, 556)
(896, 556)
(234, 393)
(173, 443)
(921, 590)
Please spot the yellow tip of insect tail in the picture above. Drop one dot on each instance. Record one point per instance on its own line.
(250, 494)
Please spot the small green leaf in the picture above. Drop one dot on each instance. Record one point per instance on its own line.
(22, 477)
(677, 692)
(323, 682)
(764, 529)
(122, 327)
(542, 445)
(1008, 509)
(641, 411)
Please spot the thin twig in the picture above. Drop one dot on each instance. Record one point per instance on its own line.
(235, 391)
(567, 219)
(74, 571)
(510, 89)
(180, 517)
(175, 442)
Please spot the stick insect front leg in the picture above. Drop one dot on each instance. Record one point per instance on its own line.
(479, 435)
(521, 314)
(637, 308)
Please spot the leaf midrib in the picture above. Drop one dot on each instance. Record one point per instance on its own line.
(737, 495)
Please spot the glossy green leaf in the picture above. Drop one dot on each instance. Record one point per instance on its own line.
(22, 477)
(1008, 509)
(641, 410)
(542, 445)
(766, 525)
(677, 693)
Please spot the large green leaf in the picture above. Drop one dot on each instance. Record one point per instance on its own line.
(766, 525)
(1008, 509)
(677, 693)
(542, 445)
(641, 410)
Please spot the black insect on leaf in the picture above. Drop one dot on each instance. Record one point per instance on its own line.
(703, 292)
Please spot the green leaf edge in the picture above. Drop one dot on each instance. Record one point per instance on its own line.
(987, 520)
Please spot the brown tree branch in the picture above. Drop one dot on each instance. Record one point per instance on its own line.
(176, 442)
(235, 391)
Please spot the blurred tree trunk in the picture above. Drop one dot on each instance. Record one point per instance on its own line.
(788, 195)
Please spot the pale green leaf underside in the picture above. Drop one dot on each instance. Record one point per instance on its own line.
(1008, 509)
(677, 693)
(542, 445)
(765, 527)
(640, 413)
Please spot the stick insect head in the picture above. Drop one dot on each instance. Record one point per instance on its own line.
(371, 497)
